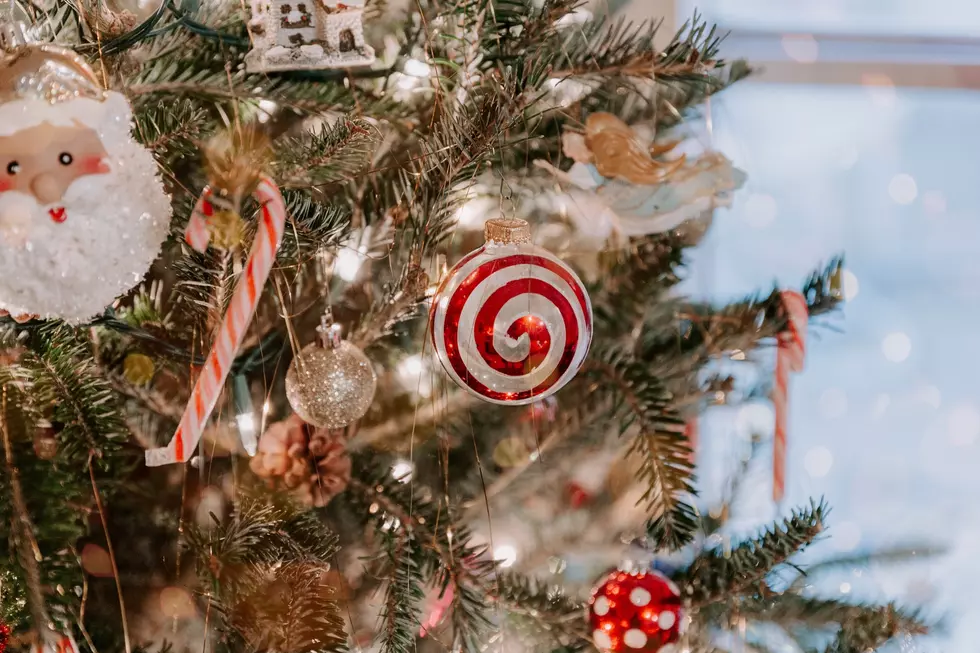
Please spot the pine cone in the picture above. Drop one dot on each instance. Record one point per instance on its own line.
(289, 450)
(282, 450)
(323, 441)
(333, 472)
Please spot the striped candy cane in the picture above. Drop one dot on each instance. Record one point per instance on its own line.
(240, 312)
(789, 358)
(59, 644)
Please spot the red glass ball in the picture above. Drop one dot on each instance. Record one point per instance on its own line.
(634, 612)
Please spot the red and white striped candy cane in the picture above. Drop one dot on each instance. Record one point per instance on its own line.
(789, 358)
(239, 315)
(59, 644)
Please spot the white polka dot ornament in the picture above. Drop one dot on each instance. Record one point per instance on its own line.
(511, 323)
(635, 613)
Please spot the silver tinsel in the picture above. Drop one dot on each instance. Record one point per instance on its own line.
(331, 383)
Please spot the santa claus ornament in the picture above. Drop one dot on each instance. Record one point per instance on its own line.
(82, 209)
(511, 323)
(634, 612)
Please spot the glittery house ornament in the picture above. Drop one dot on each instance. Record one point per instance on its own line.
(307, 35)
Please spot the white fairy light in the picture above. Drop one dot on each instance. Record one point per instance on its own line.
(577, 16)
(801, 48)
(247, 431)
(505, 555)
(267, 107)
(902, 189)
(348, 263)
(411, 366)
(412, 371)
(402, 471)
(818, 462)
(416, 68)
(896, 346)
(964, 425)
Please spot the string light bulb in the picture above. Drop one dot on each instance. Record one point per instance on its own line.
(245, 414)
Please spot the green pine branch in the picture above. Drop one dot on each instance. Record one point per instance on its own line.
(873, 628)
(172, 130)
(720, 575)
(69, 387)
(546, 608)
(47, 500)
(638, 399)
(890, 555)
(739, 325)
(633, 284)
(314, 223)
(791, 611)
(266, 568)
(617, 48)
(404, 592)
(447, 559)
(330, 155)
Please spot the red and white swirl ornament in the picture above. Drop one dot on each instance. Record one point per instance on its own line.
(511, 323)
(790, 353)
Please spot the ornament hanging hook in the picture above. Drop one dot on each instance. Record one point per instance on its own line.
(328, 333)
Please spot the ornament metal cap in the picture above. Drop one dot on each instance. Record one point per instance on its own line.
(328, 333)
(507, 231)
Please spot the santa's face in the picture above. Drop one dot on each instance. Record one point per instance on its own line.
(82, 210)
(44, 160)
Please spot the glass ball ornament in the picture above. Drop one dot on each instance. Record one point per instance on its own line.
(83, 209)
(634, 612)
(511, 323)
(330, 383)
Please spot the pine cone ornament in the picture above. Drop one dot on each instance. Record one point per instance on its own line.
(281, 446)
(333, 467)
(312, 463)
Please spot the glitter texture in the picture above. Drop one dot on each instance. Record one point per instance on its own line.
(74, 238)
(293, 35)
(331, 386)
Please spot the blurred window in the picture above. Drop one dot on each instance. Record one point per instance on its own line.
(913, 18)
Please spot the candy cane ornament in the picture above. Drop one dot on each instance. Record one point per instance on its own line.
(790, 353)
(207, 390)
(511, 323)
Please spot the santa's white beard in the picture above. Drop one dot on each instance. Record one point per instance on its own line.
(115, 225)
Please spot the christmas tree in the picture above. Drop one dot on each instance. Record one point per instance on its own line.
(237, 243)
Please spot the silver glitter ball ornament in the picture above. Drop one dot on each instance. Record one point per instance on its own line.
(330, 383)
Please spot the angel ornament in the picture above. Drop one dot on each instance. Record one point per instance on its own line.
(620, 186)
